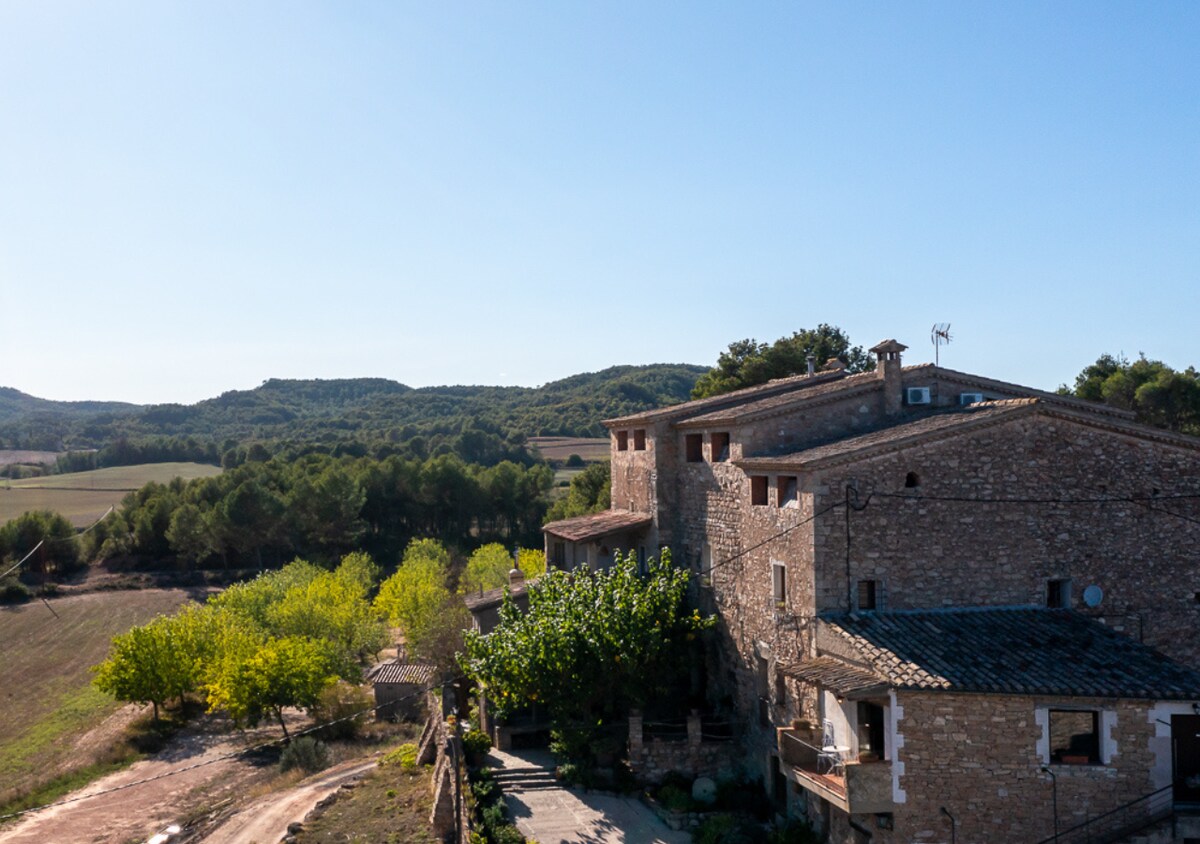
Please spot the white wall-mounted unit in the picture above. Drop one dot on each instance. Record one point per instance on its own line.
(970, 398)
(917, 395)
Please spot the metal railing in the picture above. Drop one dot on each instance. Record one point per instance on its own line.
(1120, 822)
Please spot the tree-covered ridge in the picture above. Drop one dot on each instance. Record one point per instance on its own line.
(361, 409)
(1157, 394)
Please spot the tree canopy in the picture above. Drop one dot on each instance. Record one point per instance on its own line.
(592, 643)
(1157, 394)
(748, 363)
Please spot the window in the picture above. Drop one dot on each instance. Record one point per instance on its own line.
(779, 583)
(912, 480)
(639, 439)
(870, 728)
(780, 689)
(1058, 593)
(706, 565)
(622, 441)
(694, 447)
(558, 555)
(720, 447)
(758, 490)
(786, 492)
(1075, 737)
(868, 594)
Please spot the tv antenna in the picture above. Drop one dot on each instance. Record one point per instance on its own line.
(939, 335)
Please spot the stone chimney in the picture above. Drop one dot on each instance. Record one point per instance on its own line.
(516, 577)
(887, 368)
(812, 364)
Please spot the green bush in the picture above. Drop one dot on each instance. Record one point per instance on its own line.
(405, 756)
(507, 834)
(476, 742)
(675, 798)
(305, 753)
(729, 829)
(13, 591)
(344, 708)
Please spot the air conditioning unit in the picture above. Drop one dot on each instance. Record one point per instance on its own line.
(917, 395)
(970, 398)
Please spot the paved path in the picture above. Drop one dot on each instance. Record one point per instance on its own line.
(556, 815)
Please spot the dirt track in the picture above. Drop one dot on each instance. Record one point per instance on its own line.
(138, 811)
(267, 819)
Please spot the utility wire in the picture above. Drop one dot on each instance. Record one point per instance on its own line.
(226, 756)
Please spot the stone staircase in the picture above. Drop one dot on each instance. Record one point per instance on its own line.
(527, 772)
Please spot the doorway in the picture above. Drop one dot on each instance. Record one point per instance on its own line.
(1185, 736)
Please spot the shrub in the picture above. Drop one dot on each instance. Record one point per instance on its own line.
(346, 706)
(305, 753)
(507, 834)
(729, 829)
(13, 591)
(674, 798)
(476, 742)
(405, 756)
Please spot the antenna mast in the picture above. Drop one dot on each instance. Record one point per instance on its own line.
(939, 335)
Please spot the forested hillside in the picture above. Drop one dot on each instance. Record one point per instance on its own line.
(358, 410)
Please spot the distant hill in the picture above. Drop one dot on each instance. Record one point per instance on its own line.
(351, 409)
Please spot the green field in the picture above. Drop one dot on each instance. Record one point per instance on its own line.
(82, 497)
(49, 700)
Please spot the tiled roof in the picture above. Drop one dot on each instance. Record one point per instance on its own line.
(583, 528)
(835, 675)
(940, 422)
(416, 673)
(860, 382)
(494, 597)
(1021, 651)
(737, 397)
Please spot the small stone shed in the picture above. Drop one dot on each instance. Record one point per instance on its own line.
(400, 689)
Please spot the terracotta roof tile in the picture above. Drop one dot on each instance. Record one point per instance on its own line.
(417, 673)
(1012, 651)
(583, 528)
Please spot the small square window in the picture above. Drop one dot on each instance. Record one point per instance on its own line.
(868, 594)
(720, 447)
(622, 441)
(639, 439)
(1058, 593)
(786, 492)
(758, 490)
(1074, 737)
(694, 447)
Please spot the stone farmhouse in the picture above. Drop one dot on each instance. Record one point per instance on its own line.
(952, 609)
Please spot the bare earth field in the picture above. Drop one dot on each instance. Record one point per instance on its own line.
(590, 449)
(82, 497)
(53, 716)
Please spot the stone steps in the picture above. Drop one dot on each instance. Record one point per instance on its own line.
(516, 780)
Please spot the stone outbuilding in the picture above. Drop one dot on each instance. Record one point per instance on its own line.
(400, 689)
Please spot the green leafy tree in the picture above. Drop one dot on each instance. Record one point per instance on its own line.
(276, 674)
(60, 548)
(590, 492)
(415, 597)
(1157, 394)
(191, 535)
(142, 666)
(591, 644)
(489, 565)
(748, 363)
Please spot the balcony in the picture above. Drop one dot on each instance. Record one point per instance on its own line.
(857, 788)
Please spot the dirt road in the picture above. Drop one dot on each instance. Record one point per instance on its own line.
(117, 809)
(267, 819)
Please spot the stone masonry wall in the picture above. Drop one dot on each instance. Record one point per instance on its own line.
(931, 553)
(978, 756)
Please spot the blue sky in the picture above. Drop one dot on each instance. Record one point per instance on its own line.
(197, 197)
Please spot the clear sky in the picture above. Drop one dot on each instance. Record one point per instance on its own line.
(195, 197)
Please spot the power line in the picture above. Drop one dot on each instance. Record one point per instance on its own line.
(231, 755)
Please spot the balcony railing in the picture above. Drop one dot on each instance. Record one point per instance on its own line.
(854, 787)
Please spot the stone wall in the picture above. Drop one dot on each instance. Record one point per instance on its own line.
(979, 757)
(931, 553)
(652, 759)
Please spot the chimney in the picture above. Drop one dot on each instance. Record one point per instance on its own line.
(516, 577)
(812, 365)
(887, 368)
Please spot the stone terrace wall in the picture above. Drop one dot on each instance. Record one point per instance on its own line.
(929, 554)
(651, 760)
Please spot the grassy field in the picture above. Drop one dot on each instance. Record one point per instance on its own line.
(84, 496)
(8, 456)
(49, 701)
(560, 448)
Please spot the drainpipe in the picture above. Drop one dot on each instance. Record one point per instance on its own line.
(1054, 786)
(953, 825)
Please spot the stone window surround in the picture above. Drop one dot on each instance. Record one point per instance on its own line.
(779, 583)
(1108, 722)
